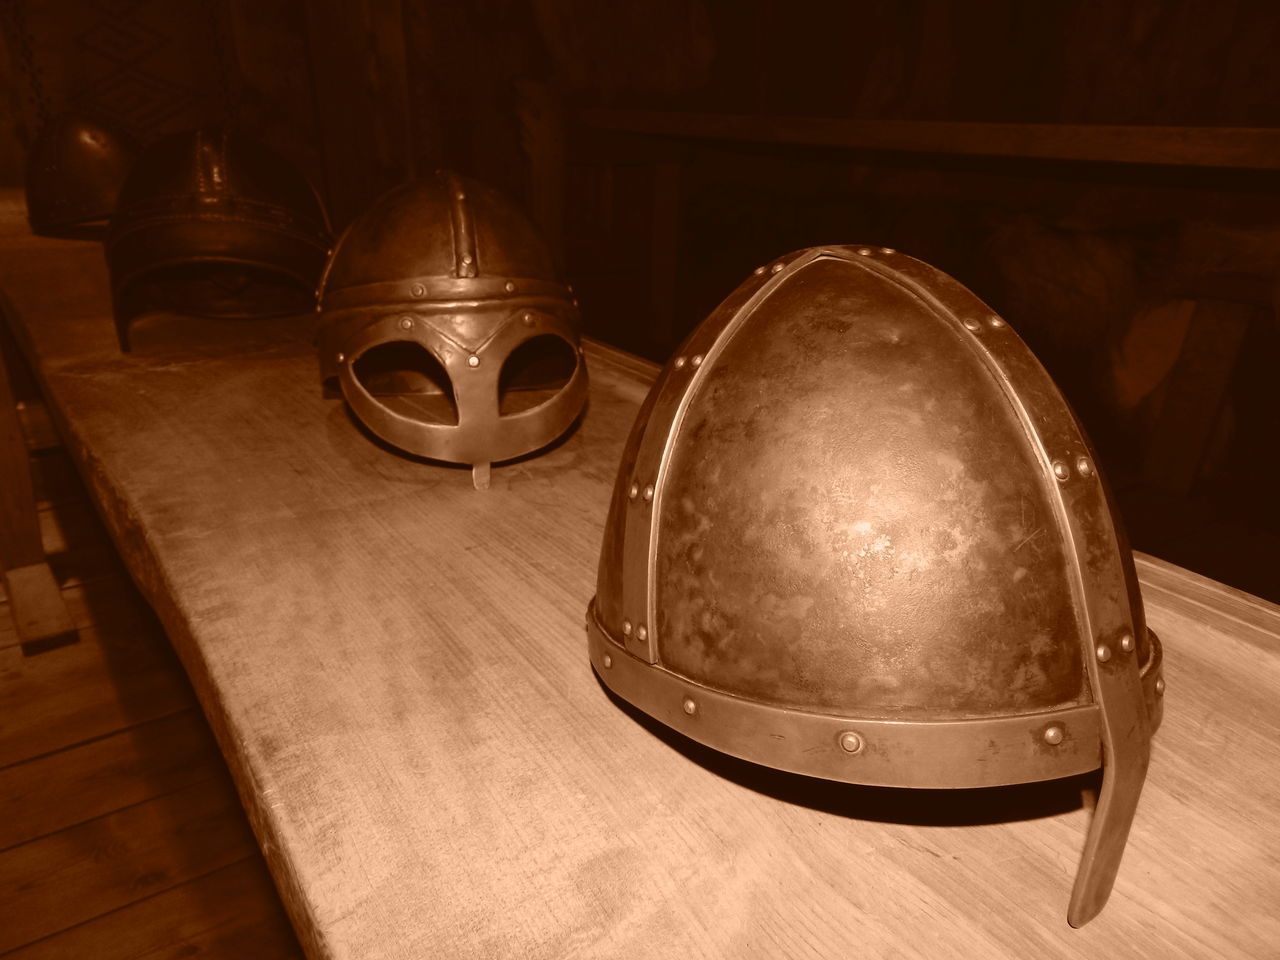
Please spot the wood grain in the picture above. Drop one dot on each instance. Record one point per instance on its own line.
(1251, 148)
(229, 914)
(395, 669)
(81, 873)
(91, 779)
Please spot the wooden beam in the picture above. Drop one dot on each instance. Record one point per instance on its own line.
(1245, 148)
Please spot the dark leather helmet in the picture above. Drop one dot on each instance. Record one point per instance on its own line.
(857, 533)
(446, 268)
(212, 223)
(74, 173)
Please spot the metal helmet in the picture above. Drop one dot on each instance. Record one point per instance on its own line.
(212, 223)
(445, 269)
(858, 534)
(74, 173)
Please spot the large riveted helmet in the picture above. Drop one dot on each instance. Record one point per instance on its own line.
(74, 175)
(858, 534)
(214, 224)
(448, 327)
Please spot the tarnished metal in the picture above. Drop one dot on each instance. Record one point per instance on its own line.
(866, 557)
(74, 174)
(211, 223)
(479, 284)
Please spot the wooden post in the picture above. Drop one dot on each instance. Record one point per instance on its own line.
(39, 613)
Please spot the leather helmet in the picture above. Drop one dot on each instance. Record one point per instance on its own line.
(445, 270)
(212, 223)
(858, 534)
(74, 173)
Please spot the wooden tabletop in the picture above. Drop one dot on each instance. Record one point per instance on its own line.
(396, 669)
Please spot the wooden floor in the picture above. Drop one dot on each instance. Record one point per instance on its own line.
(120, 832)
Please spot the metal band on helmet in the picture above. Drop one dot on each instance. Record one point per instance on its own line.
(446, 264)
(858, 534)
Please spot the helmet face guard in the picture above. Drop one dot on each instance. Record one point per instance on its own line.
(858, 534)
(469, 321)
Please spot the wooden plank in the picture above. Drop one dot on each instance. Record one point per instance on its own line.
(86, 871)
(91, 596)
(104, 683)
(39, 615)
(59, 790)
(19, 530)
(394, 667)
(1246, 148)
(228, 914)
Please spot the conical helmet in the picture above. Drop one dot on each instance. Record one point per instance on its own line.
(858, 534)
(73, 178)
(212, 223)
(445, 270)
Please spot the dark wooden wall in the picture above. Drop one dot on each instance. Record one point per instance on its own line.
(1089, 261)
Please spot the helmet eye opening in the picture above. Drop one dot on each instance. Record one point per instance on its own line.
(534, 373)
(407, 379)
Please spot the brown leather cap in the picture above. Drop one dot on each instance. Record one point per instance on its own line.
(74, 174)
(214, 224)
(858, 534)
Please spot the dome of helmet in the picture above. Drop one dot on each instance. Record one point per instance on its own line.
(858, 534)
(207, 202)
(74, 173)
(411, 232)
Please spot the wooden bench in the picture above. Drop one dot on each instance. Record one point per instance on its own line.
(395, 668)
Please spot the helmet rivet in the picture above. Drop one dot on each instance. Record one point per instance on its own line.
(1103, 652)
(850, 742)
(473, 361)
(608, 661)
(1053, 735)
(1126, 642)
(460, 196)
(342, 357)
(626, 628)
(642, 633)
(758, 270)
(528, 319)
(776, 268)
(509, 286)
(1061, 470)
(995, 321)
(864, 251)
(1084, 466)
(696, 360)
(466, 258)
(689, 706)
(406, 323)
(886, 249)
(634, 491)
(972, 324)
(1160, 686)
(418, 290)
(648, 492)
(680, 361)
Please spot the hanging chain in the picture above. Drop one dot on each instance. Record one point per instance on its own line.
(15, 16)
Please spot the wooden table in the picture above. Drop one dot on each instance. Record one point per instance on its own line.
(395, 667)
